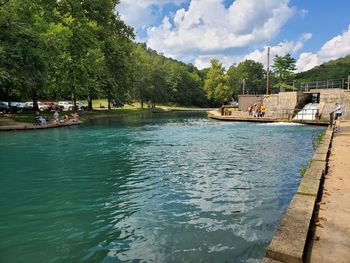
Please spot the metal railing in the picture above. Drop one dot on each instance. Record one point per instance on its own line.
(325, 84)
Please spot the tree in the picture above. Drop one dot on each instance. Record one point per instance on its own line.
(284, 67)
(23, 64)
(250, 71)
(217, 85)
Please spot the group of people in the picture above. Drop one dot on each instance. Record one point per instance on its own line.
(256, 110)
(42, 120)
(56, 118)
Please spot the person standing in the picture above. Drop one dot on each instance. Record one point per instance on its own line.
(338, 114)
(262, 110)
(56, 117)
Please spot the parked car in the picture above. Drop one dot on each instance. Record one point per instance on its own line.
(50, 105)
(4, 107)
(64, 105)
(13, 108)
(81, 106)
(29, 105)
(117, 104)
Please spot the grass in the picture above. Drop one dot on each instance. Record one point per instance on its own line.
(317, 140)
(303, 169)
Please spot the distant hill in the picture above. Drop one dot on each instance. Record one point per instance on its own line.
(334, 69)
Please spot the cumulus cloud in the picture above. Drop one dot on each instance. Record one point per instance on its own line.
(207, 26)
(143, 13)
(259, 55)
(338, 46)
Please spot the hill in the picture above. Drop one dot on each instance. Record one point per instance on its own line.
(334, 69)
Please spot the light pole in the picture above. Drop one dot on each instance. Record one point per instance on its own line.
(268, 71)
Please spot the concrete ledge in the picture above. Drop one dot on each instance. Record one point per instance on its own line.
(320, 157)
(289, 242)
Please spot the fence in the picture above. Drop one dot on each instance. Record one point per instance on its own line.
(326, 84)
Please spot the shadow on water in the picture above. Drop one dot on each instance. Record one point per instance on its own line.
(150, 188)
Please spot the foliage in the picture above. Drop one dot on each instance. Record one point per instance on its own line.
(284, 67)
(217, 85)
(335, 69)
(250, 71)
(317, 140)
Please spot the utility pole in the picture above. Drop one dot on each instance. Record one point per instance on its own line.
(268, 71)
(348, 82)
(243, 86)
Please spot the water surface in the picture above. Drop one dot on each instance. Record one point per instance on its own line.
(153, 188)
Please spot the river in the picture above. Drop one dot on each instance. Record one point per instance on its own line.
(148, 188)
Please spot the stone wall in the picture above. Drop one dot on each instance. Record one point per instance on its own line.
(271, 105)
(283, 104)
(244, 101)
(328, 99)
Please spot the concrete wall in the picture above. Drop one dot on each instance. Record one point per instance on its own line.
(328, 99)
(290, 241)
(244, 101)
(283, 104)
(271, 104)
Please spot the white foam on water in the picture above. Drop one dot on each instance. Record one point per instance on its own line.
(282, 124)
(308, 112)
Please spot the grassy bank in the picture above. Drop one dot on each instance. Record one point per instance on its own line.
(135, 108)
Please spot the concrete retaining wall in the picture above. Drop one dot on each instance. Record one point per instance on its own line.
(328, 98)
(244, 101)
(289, 243)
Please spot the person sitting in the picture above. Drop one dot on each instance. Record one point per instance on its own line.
(56, 117)
(75, 117)
(40, 120)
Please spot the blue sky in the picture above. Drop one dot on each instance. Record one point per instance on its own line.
(195, 31)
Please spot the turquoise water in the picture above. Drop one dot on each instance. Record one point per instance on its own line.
(153, 188)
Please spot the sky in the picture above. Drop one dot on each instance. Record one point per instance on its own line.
(196, 31)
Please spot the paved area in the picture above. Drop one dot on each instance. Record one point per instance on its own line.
(332, 237)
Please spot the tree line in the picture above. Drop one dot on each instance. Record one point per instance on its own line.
(83, 50)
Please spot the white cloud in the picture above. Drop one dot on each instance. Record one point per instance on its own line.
(142, 13)
(258, 55)
(338, 46)
(208, 27)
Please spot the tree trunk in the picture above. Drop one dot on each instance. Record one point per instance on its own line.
(90, 104)
(141, 102)
(74, 102)
(109, 103)
(35, 102)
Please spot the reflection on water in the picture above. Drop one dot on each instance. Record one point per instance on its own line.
(163, 188)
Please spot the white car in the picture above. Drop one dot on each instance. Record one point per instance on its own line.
(29, 105)
(65, 105)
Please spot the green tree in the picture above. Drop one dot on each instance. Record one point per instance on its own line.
(251, 72)
(284, 67)
(217, 85)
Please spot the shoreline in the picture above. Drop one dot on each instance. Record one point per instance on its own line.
(8, 123)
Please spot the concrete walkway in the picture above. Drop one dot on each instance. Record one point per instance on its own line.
(332, 237)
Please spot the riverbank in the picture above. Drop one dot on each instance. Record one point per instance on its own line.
(24, 121)
(7, 124)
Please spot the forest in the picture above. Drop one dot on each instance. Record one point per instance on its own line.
(78, 50)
